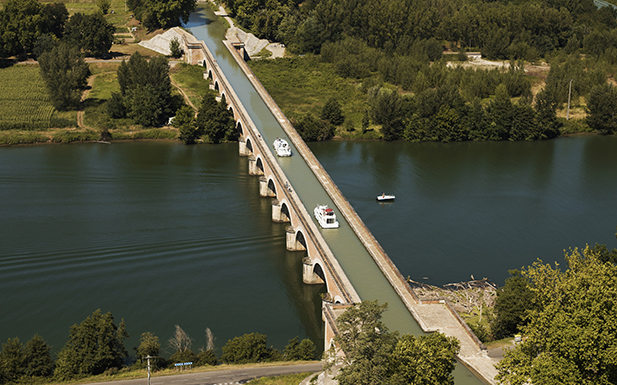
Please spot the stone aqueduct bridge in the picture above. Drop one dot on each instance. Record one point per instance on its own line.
(320, 266)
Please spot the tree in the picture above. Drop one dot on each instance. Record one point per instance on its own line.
(374, 356)
(163, 13)
(65, 74)
(427, 359)
(95, 345)
(215, 121)
(296, 351)
(55, 16)
(367, 344)
(104, 6)
(45, 42)
(602, 109)
(332, 112)
(21, 23)
(385, 109)
(571, 336)
(174, 47)
(12, 361)
(91, 33)
(246, 349)
(311, 128)
(511, 305)
(37, 357)
(180, 341)
(145, 91)
(185, 122)
(500, 114)
(149, 345)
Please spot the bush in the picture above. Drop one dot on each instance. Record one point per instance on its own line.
(480, 331)
(299, 351)
(185, 356)
(206, 357)
(75, 136)
(248, 348)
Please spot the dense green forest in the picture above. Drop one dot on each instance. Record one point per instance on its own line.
(399, 45)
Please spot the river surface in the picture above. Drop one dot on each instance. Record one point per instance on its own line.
(479, 209)
(161, 234)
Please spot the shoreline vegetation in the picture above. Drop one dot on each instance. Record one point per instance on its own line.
(303, 87)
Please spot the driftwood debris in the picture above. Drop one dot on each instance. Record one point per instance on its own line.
(465, 297)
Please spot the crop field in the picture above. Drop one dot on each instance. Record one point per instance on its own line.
(24, 102)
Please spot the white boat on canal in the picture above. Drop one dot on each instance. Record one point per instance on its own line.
(281, 147)
(326, 217)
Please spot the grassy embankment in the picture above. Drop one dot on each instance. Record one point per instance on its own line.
(130, 373)
(302, 85)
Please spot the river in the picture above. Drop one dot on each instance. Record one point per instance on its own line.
(161, 234)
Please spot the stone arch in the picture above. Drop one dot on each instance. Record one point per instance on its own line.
(319, 272)
(231, 109)
(239, 128)
(271, 184)
(216, 86)
(285, 211)
(209, 74)
(260, 165)
(300, 240)
(249, 145)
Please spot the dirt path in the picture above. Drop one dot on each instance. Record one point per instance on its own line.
(84, 96)
(184, 95)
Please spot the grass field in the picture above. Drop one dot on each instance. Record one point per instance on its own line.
(289, 379)
(24, 102)
(303, 85)
(191, 79)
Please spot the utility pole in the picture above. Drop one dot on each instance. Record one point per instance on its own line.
(569, 94)
(148, 358)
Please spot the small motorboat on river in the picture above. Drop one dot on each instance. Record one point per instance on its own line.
(326, 217)
(281, 147)
(385, 198)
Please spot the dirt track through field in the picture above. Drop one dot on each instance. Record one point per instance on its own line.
(84, 96)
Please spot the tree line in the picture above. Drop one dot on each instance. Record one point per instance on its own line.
(500, 29)
(400, 43)
(162, 13)
(29, 27)
(96, 346)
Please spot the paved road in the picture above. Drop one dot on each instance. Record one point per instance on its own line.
(230, 376)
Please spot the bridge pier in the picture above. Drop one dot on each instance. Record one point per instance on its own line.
(264, 189)
(291, 242)
(242, 150)
(309, 276)
(277, 214)
(253, 169)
